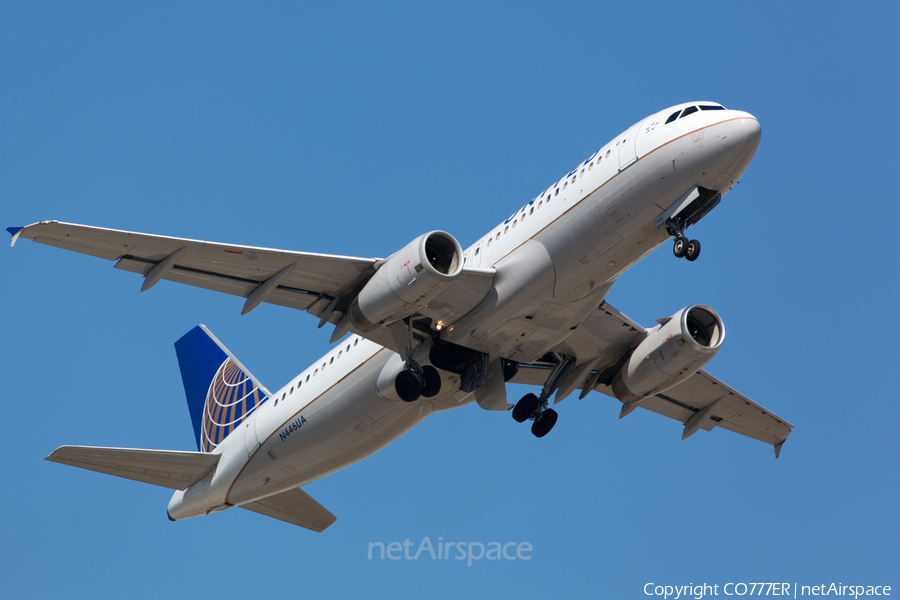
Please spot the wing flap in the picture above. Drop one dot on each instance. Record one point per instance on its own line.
(295, 507)
(171, 469)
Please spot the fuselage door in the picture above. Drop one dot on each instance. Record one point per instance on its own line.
(476, 254)
(627, 146)
(251, 442)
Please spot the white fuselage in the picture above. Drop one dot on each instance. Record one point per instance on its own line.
(555, 259)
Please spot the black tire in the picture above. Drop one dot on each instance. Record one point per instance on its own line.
(408, 387)
(525, 407)
(692, 252)
(510, 368)
(432, 385)
(680, 247)
(542, 426)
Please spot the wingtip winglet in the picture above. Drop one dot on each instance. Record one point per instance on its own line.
(14, 232)
(778, 448)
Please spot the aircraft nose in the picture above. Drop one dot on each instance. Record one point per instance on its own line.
(744, 132)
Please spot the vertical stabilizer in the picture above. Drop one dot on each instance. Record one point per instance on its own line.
(220, 391)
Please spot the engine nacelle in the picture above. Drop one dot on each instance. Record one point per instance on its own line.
(407, 280)
(670, 354)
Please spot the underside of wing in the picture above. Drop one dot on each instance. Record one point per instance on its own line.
(321, 284)
(603, 343)
(295, 507)
(731, 409)
(304, 281)
(169, 469)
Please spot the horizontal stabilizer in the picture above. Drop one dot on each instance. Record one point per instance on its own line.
(295, 507)
(166, 468)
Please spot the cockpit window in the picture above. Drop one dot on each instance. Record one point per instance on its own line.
(673, 117)
(688, 111)
(711, 107)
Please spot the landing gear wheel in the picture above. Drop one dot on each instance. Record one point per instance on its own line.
(680, 248)
(693, 250)
(543, 424)
(408, 387)
(432, 384)
(525, 408)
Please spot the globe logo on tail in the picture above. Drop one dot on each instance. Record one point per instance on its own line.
(232, 396)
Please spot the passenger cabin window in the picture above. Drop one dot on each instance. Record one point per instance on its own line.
(673, 117)
(711, 107)
(688, 111)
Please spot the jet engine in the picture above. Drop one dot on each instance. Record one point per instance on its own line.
(407, 280)
(670, 354)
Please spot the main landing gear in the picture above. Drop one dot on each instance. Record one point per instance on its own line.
(535, 408)
(416, 381)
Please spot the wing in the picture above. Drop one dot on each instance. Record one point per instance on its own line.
(299, 280)
(170, 469)
(295, 507)
(604, 340)
(321, 284)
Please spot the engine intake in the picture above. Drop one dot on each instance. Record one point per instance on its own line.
(407, 280)
(670, 354)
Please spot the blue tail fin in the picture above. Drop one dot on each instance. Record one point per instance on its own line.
(220, 391)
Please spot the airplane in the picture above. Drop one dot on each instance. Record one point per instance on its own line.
(434, 327)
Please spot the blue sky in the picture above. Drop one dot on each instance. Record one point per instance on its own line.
(352, 129)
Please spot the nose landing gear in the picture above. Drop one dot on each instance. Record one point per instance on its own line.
(686, 249)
